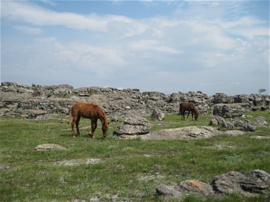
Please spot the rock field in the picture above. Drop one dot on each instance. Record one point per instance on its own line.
(41, 102)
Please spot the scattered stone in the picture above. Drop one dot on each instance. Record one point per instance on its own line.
(46, 147)
(257, 182)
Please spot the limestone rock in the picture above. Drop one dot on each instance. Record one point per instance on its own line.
(228, 110)
(222, 98)
(165, 190)
(134, 126)
(257, 181)
(196, 186)
(228, 183)
(46, 147)
(157, 115)
(185, 133)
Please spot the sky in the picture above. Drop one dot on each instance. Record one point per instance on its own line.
(165, 46)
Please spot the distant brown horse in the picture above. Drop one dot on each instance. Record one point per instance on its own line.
(90, 111)
(190, 107)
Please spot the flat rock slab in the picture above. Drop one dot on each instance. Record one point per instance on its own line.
(77, 162)
(186, 133)
(261, 137)
(46, 147)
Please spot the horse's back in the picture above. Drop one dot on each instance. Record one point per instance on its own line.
(87, 110)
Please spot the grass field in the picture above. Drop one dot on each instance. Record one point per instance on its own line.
(115, 169)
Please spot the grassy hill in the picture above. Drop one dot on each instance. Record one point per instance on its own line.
(115, 169)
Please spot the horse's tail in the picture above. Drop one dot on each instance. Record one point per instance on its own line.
(70, 114)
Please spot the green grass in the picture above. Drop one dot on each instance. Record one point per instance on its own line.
(129, 170)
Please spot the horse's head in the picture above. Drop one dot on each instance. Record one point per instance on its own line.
(196, 116)
(105, 127)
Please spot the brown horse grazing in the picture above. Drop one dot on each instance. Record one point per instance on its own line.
(190, 107)
(91, 111)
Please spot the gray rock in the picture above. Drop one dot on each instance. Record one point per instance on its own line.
(228, 110)
(249, 126)
(222, 98)
(46, 147)
(260, 121)
(228, 183)
(185, 133)
(157, 115)
(134, 126)
(165, 190)
(258, 181)
(195, 186)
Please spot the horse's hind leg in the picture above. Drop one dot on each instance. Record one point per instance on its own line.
(72, 127)
(77, 125)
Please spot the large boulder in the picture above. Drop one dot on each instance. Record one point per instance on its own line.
(133, 126)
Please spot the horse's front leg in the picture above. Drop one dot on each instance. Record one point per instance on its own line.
(93, 127)
(192, 115)
(183, 114)
(187, 115)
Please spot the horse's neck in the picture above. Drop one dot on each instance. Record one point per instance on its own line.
(195, 110)
(103, 119)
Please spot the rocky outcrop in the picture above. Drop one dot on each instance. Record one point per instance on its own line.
(20, 100)
(257, 182)
(238, 123)
(228, 110)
